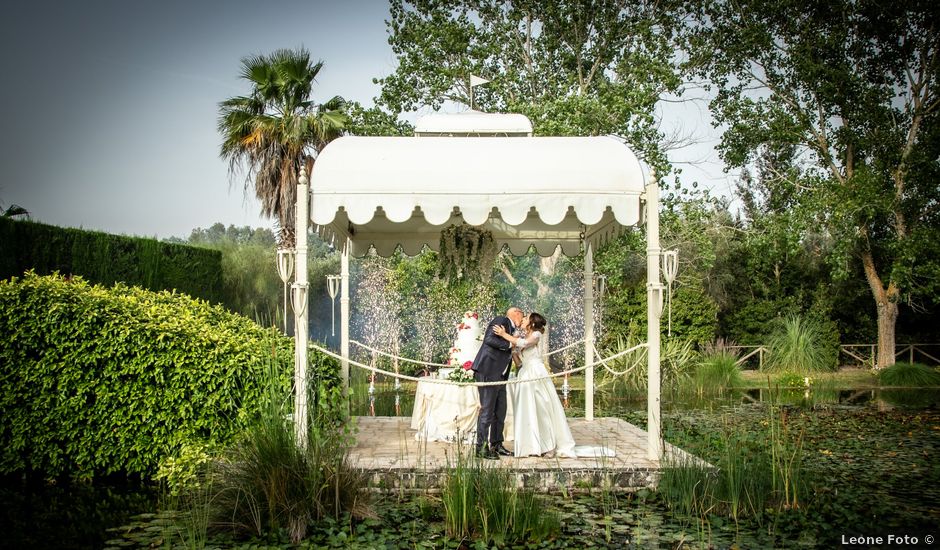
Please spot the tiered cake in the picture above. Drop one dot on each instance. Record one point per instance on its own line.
(468, 341)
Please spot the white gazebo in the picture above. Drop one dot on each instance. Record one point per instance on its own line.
(541, 192)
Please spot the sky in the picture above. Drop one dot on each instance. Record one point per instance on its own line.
(108, 108)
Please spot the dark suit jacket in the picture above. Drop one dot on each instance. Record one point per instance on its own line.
(492, 361)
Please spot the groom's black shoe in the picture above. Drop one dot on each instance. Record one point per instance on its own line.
(503, 450)
(487, 453)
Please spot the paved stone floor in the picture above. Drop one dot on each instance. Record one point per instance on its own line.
(387, 449)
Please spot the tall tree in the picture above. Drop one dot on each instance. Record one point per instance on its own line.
(852, 85)
(269, 133)
(577, 67)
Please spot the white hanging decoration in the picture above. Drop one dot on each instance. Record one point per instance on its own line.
(670, 268)
(285, 269)
(299, 297)
(332, 287)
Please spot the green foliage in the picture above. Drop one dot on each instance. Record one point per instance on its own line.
(841, 119)
(909, 375)
(98, 380)
(108, 259)
(796, 345)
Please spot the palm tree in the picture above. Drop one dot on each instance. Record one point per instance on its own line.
(270, 132)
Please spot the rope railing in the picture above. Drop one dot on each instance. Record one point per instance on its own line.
(635, 364)
(429, 379)
(397, 357)
(431, 364)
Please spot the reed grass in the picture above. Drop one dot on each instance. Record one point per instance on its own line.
(751, 475)
(484, 501)
(716, 371)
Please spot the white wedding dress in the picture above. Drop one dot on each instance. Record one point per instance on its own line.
(539, 421)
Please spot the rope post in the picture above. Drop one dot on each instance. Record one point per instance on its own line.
(588, 331)
(654, 293)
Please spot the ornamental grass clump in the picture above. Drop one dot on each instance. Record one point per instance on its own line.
(909, 375)
(796, 345)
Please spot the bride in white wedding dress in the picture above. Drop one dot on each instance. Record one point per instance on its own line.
(539, 421)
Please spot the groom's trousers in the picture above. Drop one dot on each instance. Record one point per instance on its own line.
(492, 416)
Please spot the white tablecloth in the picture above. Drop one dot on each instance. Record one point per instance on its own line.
(444, 411)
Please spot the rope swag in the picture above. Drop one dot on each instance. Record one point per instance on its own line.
(467, 252)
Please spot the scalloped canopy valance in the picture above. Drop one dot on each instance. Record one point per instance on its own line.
(529, 191)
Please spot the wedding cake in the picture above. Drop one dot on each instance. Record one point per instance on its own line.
(468, 342)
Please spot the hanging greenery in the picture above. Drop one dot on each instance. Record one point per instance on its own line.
(467, 252)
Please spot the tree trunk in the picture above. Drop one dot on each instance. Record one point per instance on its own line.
(887, 319)
(886, 300)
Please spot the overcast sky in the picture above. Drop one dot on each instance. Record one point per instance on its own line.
(108, 108)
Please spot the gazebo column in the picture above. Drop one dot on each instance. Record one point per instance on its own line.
(588, 331)
(299, 298)
(654, 293)
(344, 313)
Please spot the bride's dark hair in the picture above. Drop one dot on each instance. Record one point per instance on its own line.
(536, 321)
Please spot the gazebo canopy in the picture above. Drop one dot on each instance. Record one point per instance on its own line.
(529, 191)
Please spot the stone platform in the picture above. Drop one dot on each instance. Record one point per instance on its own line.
(387, 450)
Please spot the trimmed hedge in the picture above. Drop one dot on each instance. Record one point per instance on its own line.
(98, 380)
(107, 259)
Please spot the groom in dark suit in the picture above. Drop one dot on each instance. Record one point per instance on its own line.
(492, 365)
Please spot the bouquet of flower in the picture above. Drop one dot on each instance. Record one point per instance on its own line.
(463, 374)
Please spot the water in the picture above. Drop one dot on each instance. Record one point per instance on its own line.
(67, 515)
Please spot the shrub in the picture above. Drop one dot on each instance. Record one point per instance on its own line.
(796, 345)
(909, 375)
(96, 380)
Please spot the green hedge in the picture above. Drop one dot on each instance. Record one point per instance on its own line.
(98, 380)
(107, 259)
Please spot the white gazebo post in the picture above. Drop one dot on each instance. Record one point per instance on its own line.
(588, 331)
(299, 301)
(344, 313)
(654, 289)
